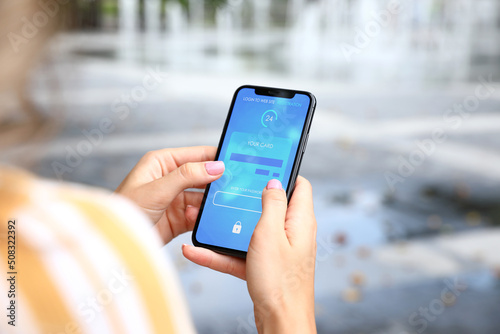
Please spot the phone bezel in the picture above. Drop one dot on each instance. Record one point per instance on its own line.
(296, 163)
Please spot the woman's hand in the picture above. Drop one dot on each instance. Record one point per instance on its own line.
(158, 183)
(280, 263)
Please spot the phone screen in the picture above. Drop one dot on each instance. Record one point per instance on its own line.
(261, 141)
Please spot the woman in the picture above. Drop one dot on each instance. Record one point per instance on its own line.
(84, 261)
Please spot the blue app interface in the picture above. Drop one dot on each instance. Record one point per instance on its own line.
(261, 142)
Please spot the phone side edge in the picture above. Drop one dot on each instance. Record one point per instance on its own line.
(302, 145)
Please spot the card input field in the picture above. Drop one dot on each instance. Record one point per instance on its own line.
(252, 159)
(238, 201)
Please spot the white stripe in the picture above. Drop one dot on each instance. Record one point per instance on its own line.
(107, 263)
(139, 226)
(63, 269)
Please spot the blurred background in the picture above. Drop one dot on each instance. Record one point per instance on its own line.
(404, 151)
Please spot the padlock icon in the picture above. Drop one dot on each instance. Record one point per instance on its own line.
(237, 227)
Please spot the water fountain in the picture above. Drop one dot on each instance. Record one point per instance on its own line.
(152, 11)
(261, 15)
(196, 14)
(128, 25)
(424, 33)
(128, 12)
(225, 39)
(294, 8)
(304, 38)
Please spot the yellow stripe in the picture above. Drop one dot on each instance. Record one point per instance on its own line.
(137, 261)
(83, 261)
(42, 296)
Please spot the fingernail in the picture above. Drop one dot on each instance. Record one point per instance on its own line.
(274, 184)
(215, 167)
(189, 206)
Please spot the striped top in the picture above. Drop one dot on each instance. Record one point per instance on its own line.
(85, 262)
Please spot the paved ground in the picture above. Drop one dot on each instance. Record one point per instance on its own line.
(384, 253)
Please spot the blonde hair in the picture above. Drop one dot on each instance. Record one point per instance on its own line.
(25, 29)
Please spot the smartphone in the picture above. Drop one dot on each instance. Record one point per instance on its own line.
(264, 138)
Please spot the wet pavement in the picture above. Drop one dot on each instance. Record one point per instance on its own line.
(383, 253)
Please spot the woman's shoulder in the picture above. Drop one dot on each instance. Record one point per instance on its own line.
(22, 193)
(20, 189)
(89, 254)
